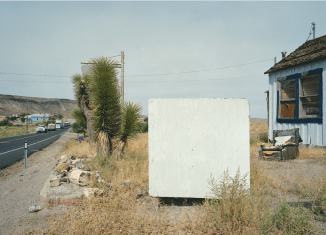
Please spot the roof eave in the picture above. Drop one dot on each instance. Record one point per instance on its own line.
(294, 65)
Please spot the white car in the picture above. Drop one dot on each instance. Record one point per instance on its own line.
(41, 129)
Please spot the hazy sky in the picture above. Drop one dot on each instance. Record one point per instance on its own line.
(52, 38)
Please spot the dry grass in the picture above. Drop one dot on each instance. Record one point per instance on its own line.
(76, 148)
(258, 134)
(312, 153)
(239, 210)
(258, 127)
(6, 131)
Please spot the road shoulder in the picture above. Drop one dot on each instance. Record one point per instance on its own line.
(20, 188)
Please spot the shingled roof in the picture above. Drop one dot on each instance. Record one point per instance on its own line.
(310, 51)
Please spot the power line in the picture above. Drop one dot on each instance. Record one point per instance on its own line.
(31, 81)
(196, 80)
(36, 75)
(144, 75)
(199, 80)
(196, 71)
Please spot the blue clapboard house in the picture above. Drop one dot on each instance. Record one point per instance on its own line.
(296, 92)
(37, 118)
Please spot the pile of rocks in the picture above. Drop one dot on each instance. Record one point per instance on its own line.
(71, 170)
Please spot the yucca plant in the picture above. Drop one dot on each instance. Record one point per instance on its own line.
(78, 115)
(82, 94)
(105, 102)
(128, 124)
(80, 118)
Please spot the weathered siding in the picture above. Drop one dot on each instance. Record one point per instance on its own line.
(311, 133)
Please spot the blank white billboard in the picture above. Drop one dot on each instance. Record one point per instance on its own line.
(192, 139)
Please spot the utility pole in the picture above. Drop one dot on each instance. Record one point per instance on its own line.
(122, 75)
(274, 60)
(119, 65)
(267, 99)
(27, 114)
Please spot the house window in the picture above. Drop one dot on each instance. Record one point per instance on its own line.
(309, 96)
(287, 101)
(300, 98)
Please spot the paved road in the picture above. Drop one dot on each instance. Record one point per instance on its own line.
(12, 148)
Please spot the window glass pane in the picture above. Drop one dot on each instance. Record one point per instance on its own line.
(287, 99)
(310, 86)
(309, 98)
(288, 89)
(288, 109)
(310, 105)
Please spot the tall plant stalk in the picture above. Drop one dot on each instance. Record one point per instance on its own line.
(128, 125)
(82, 94)
(105, 102)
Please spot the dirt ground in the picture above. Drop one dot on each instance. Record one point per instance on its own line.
(292, 180)
(20, 188)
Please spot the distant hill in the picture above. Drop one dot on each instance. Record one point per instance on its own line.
(254, 120)
(15, 105)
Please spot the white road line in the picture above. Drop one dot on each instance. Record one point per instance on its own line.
(30, 144)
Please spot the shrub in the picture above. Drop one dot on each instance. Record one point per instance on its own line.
(143, 127)
(237, 209)
(259, 138)
(319, 204)
(233, 208)
(5, 123)
(289, 220)
(76, 126)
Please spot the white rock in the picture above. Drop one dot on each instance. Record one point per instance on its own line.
(79, 177)
(34, 208)
(64, 157)
(74, 162)
(90, 192)
(55, 182)
(74, 175)
(84, 178)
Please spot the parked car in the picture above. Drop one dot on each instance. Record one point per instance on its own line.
(52, 127)
(41, 129)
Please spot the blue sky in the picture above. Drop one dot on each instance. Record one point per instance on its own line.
(52, 38)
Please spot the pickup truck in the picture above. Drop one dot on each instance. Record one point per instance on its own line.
(41, 129)
(52, 127)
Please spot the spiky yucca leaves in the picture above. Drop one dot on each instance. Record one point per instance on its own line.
(129, 123)
(77, 114)
(81, 88)
(80, 118)
(105, 100)
(82, 94)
